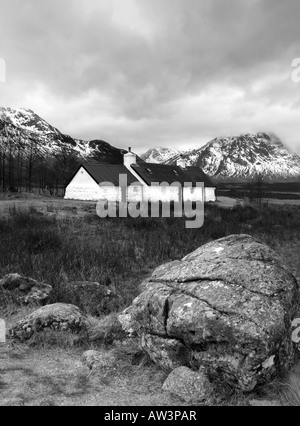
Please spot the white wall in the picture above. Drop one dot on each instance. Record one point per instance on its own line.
(135, 193)
(193, 194)
(83, 187)
(172, 194)
(158, 193)
(110, 193)
(210, 194)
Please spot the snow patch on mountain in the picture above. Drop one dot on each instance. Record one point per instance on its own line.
(23, 127)
(240, 158)
(26, 119)
(159, 155)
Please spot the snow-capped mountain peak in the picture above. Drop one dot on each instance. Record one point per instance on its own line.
(26, 119)
(240, 158)
(25, 125)
(233, 158)
(159, 155)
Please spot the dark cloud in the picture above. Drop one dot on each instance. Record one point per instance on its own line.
(159, 72)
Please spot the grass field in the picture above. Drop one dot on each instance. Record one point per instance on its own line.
(58, 241)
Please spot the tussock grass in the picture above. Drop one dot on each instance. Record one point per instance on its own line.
(106, 330)
(291, 388)
(50, 339)
(122, 252)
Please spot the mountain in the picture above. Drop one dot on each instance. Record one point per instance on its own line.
(50, 141)
(159, 155)
(32, 152)
(242, 158)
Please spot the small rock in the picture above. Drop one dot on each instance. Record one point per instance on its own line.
(192, 387)
(125, 319)
(98, 360)
(65, 317)
(25, 290)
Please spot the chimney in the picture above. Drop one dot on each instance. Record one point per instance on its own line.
(129, 158)
(181, 162)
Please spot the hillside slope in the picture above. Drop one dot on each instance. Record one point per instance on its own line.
(244, 157)
(34, 153)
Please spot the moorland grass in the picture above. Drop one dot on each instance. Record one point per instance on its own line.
(122, 252)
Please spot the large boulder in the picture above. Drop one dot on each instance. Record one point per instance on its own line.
(58, 318)
(24, 290)
(226, 308)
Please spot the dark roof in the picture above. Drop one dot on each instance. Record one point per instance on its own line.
(149, 173)
(159, 173)
(109, 173)
(199, 175)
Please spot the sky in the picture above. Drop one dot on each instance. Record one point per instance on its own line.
(151, 73)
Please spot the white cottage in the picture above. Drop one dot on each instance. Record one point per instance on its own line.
(94, 182)
(140, 181)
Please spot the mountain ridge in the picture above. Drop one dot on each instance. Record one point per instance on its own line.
(25, 135)
(34, 153)
(244, 157)
(50, 140)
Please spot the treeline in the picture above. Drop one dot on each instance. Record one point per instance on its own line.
(24, 166)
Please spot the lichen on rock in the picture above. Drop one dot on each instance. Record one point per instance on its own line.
(227, 308)
(58, 317)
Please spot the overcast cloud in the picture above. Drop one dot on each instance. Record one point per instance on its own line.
(151, 73)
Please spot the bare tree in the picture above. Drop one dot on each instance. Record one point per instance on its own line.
(257, 189)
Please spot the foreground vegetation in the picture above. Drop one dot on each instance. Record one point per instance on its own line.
(120, 253)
